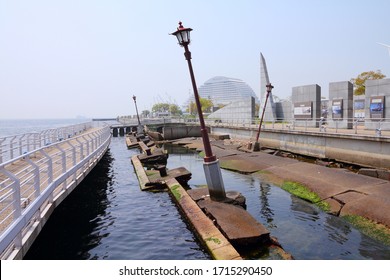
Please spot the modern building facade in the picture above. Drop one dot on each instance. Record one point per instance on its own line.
(240, 112)
(270, 109)
(223, 91)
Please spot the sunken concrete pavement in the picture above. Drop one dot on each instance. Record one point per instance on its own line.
(346, 192)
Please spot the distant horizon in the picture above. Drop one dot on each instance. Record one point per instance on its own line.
(65, 118)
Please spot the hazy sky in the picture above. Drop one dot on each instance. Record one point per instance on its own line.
(64, 58)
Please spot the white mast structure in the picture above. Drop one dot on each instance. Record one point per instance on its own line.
(387, 46)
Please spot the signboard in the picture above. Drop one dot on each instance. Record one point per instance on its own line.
(303, 110)
(377, 107)
(358, 108)
(337, 109)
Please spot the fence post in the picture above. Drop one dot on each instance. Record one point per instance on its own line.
(1, 150)
(81, 148)
(11, 146)
(37, 179)
(16, 192)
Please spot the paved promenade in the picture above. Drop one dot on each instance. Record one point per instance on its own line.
(346, 192)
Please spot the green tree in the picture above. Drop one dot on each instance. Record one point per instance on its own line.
(145, 113)
(206, 105)
(192, 108)
(360, 80)
(160, 107)
(173, 109)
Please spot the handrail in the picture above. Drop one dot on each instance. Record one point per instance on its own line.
(32, 181)
(375, 127)
(367, 126)
(16, 145)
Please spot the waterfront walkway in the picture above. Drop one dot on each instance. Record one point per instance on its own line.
(358, 128)
(346, 192)
(34, 183)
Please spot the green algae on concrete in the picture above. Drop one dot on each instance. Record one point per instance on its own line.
(216, 244)
(228, 165)
(239, 166)
(213, 239)
(150, 172)
(374, 230)
(175, 189)
(140, 172)
(302, 192)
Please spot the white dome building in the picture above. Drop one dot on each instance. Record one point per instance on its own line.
(236, 100)
(223, 91)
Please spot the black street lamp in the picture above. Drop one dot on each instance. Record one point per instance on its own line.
(256, 146)
(139, 129)
(211, 163)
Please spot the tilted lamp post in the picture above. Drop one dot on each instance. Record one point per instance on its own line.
(211, 164)
(139, 128)
(256, 146)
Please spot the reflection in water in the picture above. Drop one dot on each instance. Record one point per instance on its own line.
(303, 211)
(108, 217)
(80, 221)
(302, 228)
(266, 210)
(308, 233)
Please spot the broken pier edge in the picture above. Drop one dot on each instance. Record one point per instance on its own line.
(226, 229)
(211, 237)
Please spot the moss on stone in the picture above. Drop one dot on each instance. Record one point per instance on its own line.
(201, 186)
(303, 192)
(228, 165)
(233, 165)
(213, 239)
(374, 230)
(262, 172)
(175, 191)
(149, 172)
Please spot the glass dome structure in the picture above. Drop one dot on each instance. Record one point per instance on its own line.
(223, 91)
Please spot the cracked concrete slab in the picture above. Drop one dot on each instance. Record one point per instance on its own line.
(235, 223)
(220, 153)
(345, 191)
(373, 207)
(349, 196)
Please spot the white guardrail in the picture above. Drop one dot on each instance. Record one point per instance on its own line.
(31, 183)
(16, 145)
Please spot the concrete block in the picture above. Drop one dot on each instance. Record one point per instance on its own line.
(383, 174)
(236, 224)
(368, 172)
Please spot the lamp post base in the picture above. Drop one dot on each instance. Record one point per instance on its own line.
(214, 180)
(256, 146)
(235, 198)
(140, 129)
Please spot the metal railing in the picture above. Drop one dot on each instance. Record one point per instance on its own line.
(375, 127)
(33, 181)
(360, 126)
(16, 145)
